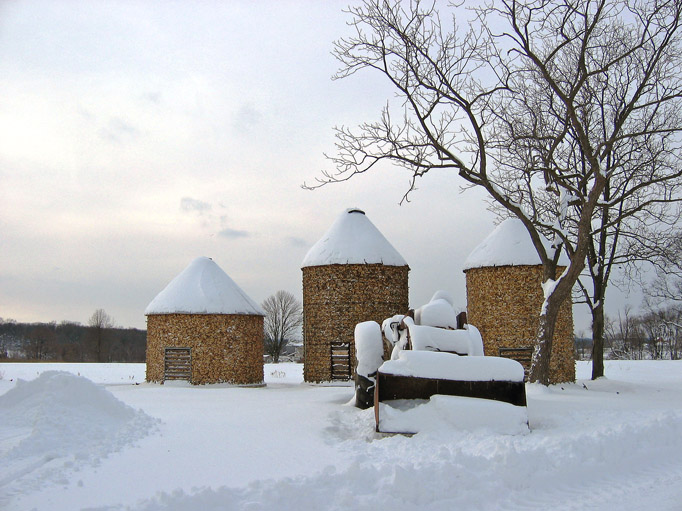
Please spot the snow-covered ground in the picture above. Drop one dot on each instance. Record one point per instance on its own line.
(67, 443)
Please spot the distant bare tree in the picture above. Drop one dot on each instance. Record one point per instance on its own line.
(99, 322)
(530, 101)
(625, 337)
(283, 317)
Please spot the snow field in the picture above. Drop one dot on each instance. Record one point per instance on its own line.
(612, 445)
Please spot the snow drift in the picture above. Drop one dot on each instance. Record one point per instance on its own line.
(49, 422)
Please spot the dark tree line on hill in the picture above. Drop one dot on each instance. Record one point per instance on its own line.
(70, 342)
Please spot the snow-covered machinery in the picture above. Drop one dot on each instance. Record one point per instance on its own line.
(435, 353)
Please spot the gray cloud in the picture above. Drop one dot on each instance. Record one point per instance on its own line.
(189, 205)
(233, 233)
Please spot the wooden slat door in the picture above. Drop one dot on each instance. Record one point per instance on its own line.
(523, 355)
(340, 361)
(177, 364)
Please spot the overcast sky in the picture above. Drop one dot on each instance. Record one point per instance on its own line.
(135, 136)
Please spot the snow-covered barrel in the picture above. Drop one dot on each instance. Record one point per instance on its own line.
(203, 328)
(352, 274)
(504, 299)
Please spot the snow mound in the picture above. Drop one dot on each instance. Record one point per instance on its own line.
(438, 312)
(353, 239)
(60, 415)
(203, 288)
(443, 295)
(447, 413)
(508, 245)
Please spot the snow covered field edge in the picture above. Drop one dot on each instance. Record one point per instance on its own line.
(609, 444)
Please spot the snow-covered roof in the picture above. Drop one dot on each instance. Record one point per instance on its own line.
(508, 245)
(203, 288)
(353, 239)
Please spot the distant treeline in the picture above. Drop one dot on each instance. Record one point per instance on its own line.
(70, 342)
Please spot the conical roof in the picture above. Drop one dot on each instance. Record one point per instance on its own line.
(203, 288)
(353, 239)
(508, 245)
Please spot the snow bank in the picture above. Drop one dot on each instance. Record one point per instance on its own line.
(369, 348)
(429, 364)
(62, 416)
(203, 288)
(452, 413)
(353, 239)
(508, 245)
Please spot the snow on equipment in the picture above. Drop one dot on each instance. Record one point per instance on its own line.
(436, 355)
(369, 346)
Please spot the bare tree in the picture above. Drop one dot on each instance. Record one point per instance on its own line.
(283, 317)
(99, 322)
(632, 224)
(529, 102)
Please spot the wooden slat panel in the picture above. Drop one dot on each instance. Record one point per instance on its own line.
(523, 355)
(177, 364)
(340, 361)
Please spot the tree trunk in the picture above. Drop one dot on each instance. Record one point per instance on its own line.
(539, 370)
(542, 353)
(598, 341)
